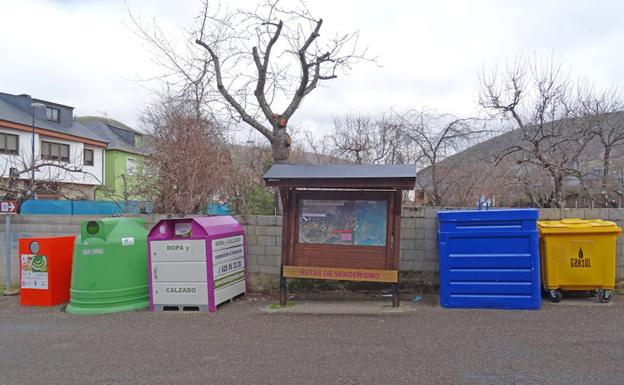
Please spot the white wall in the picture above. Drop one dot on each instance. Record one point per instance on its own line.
(91, 175)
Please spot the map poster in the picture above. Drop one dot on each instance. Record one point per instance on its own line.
(343, 222)
(34, 271)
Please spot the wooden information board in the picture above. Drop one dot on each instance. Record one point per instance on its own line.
(341, 222)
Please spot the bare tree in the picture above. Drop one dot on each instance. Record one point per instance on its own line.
(619, 179)
(395, 141)
(191, 163)
(186, 73)
(364, 139)
(357, 137)
(132, 189)
(320, 147)
(539, 100)
(435, 137)
(262, 63)
(246, 191)
(604, 118)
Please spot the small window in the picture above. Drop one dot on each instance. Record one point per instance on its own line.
(130, 166)
(137, 141)
(88, 157)
(53, 114)
(64, 152)
(55, 151)
(9, 144)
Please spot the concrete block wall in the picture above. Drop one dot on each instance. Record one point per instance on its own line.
(264, 243)
(419, 251)
(419, 238)
(28, 226)
(264, 239)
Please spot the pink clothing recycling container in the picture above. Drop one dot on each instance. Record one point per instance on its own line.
(196, 263)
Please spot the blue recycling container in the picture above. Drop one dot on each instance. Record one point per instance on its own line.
(489, 259)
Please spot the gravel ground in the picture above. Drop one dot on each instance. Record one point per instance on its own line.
(575, 342)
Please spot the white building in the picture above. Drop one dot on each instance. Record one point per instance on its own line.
(69, 157)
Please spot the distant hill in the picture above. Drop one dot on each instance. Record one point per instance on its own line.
(472, 172)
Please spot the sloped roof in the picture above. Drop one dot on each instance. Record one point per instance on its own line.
(346, 171)
(108, 121)
(14, 114)
(106, 128)
(360, 176)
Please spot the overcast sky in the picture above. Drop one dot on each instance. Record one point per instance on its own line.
(83, 52)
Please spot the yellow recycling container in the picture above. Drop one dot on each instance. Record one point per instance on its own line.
(578, 255)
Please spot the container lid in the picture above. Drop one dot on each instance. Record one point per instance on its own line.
(488, 215)
(577, 225)
(195, 226)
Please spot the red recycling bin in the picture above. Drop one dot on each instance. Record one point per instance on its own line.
(45, 270)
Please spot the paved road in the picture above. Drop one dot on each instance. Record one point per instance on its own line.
(569, 343)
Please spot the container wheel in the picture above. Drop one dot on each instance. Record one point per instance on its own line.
(605, 296)
(554, 295)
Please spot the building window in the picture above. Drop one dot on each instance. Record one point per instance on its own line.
(9, 144)
(130, 166)
(137, 141)
(88, 157)
(53, 114)
(55, 151)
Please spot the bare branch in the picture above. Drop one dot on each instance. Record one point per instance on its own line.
(243, 113)
(255, 63)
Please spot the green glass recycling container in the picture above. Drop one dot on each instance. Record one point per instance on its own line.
(109, 271)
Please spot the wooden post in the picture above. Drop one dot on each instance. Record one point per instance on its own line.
(396, 242)
(395, 294)
(292, 223)
(283, 289)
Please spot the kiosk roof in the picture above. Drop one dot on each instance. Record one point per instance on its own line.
(342, 175)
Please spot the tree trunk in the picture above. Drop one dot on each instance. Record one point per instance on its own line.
(280, 145)
(605, 168)
(557, 196)
(609, 202)
(434, 185)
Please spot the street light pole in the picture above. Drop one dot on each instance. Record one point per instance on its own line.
(32, 159)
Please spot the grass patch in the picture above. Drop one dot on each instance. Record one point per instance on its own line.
(277, 306)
